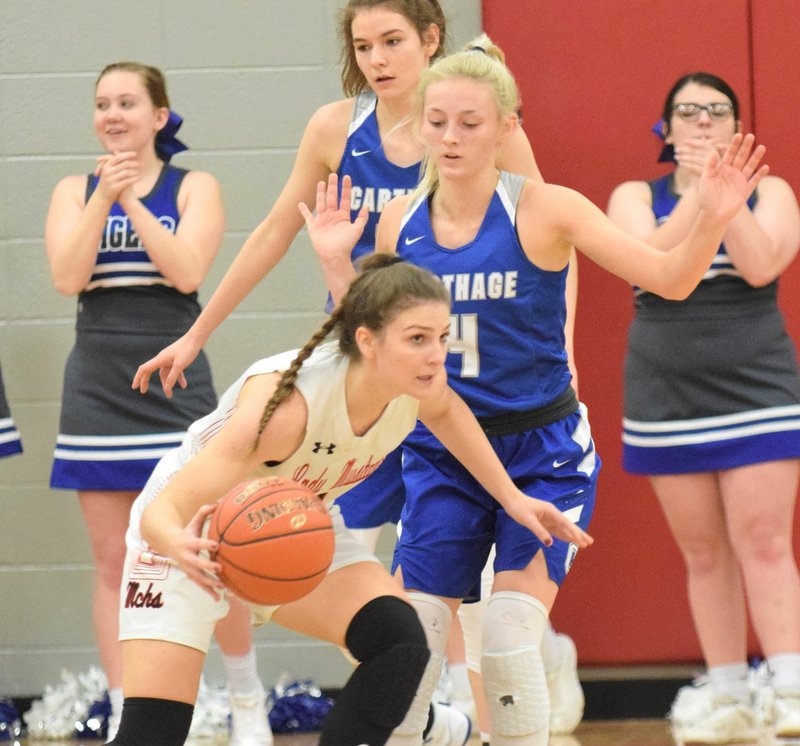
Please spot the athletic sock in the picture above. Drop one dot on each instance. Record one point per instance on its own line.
(730, 681)
(242, 672)
(116, 698)
(785, 670)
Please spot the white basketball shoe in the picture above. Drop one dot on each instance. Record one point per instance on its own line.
(564, 688)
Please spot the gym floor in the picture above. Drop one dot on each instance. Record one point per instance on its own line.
(590, 733)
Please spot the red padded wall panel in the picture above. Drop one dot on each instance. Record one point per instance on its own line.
(593, 78)
(776, 91)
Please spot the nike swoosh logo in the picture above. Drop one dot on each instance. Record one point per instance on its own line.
(355, 153)
(558, 464)
(409, 241)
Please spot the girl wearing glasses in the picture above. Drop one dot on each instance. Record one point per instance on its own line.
(712, 416)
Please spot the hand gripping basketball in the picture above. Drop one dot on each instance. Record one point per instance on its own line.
(275, 540)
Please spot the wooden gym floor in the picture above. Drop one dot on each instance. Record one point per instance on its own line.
(590, 733)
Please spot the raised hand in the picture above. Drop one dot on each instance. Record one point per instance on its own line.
(693, 153)
(332, 233)
(728, 181)
(117, 172)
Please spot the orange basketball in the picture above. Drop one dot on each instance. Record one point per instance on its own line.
(275, 540)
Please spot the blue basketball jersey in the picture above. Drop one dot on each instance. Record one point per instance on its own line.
(376, 180)
(506, 348)
(122, 260)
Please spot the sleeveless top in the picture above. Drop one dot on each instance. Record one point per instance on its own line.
(376, 180)
(506, 348)
(722, 285)
(331, 459)
(126, 292)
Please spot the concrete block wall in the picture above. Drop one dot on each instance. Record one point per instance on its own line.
(246, 75)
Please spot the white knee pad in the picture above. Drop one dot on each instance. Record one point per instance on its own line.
(436, 619)
(513, 674)
(471, 616)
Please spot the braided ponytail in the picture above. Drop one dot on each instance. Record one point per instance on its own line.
(385, 287)
(289, 376)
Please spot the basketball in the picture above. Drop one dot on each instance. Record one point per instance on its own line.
(275, 540)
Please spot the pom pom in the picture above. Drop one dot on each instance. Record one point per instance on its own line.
(10, 722)
(296, 706)
(210, 720)
(63, 711)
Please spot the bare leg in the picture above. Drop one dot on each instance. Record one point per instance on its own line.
(162, 670)
(759, 504)
(106, 515)
(695, 513)
(234, 632)
(249, 719)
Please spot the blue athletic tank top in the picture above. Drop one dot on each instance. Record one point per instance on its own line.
(376, 180)
(506, 350)
(121, 258)
(721, 284)
(126, 292)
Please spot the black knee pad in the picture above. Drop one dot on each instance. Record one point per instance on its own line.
(381, 624)
(388, 639)
(153, 722)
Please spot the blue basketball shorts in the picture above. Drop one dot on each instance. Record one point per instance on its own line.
(450, 522)
(378, 499)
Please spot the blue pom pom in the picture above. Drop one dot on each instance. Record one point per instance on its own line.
(96, 723)
(299, 707)
(10, 721)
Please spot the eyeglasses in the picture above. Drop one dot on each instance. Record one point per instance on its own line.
(691, 112)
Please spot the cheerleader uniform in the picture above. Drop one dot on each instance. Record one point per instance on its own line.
(110, 436)
(507, 360)
(330, 461)
(376, 180)
(10, 442)
(711, 382)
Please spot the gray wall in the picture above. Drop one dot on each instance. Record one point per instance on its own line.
(246, 75)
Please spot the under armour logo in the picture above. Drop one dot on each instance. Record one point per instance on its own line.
(319, 447)
(506, 700)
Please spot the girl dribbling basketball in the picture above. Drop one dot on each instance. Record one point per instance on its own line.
(330, 416)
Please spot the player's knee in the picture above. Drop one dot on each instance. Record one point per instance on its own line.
(383, 623)
(153, 722)
(436, 618)
(511, 663)
(512, 620)
(387, 638)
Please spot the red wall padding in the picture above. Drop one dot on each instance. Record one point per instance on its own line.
(593, 78)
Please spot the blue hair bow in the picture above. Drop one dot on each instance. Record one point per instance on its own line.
(166, 142)
(668, 151)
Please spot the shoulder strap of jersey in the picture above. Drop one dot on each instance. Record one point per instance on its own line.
(509, 189)
(363, 105)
